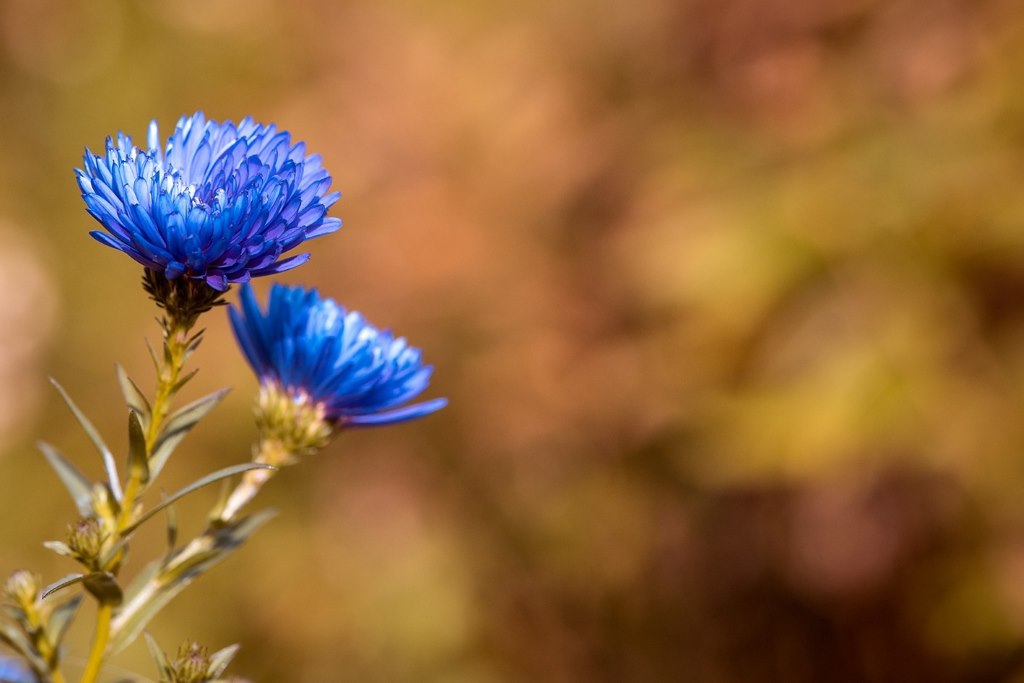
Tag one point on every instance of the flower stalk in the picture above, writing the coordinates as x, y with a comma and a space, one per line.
101, 635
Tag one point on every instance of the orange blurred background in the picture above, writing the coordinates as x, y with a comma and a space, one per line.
727, 297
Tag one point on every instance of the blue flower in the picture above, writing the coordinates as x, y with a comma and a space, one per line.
14, 671
312, 348
221, 203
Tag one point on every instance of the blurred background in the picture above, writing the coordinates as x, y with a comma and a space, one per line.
727, 297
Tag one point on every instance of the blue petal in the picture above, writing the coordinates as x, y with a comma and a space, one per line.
219, 199
314, 347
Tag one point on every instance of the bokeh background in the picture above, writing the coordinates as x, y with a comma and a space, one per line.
727, 297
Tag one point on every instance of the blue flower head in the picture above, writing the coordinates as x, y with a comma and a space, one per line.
221, 203
316, 351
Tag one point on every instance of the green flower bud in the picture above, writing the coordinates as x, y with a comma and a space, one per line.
192, 664
85, 538
22, 588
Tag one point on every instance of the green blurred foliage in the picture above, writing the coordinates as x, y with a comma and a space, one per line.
728, 298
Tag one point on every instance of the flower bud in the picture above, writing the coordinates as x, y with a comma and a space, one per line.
192, 664
85, 538
22, 588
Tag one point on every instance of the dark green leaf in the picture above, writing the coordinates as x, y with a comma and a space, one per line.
68, 580
74, 481
61, 618
133, 396
172, 529
138, 462
97, 440
162, 665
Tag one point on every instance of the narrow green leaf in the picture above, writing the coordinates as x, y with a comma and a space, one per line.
133, 396
13, 636
159, 657
145, 576
197, 484
138, 463
152, 353
224, 541
177, 427
97, 440
183, 381
193, 343
172, 529
220, 659
162, 451
187, 417
61, 618
69, 580
74, 481
13, 612
59, 547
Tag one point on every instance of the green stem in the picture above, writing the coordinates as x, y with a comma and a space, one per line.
99, 644
270, 452
176, 335
176, 338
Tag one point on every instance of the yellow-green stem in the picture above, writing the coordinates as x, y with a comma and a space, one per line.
270, 452
99, 644
175, 344
176, 348
56, 676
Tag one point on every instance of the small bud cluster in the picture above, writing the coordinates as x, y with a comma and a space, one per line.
85, 539
21, 589
191, 665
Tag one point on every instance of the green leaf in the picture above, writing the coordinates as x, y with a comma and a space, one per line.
172, 529
133, 396
183, 381
186, 418
97, 440
138, 462
197, 484
61, 618
177, 426
152, 354
162, 450
159, 657
219, 543
74, 481
69, 580
193, 343
59, 547
220, 659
